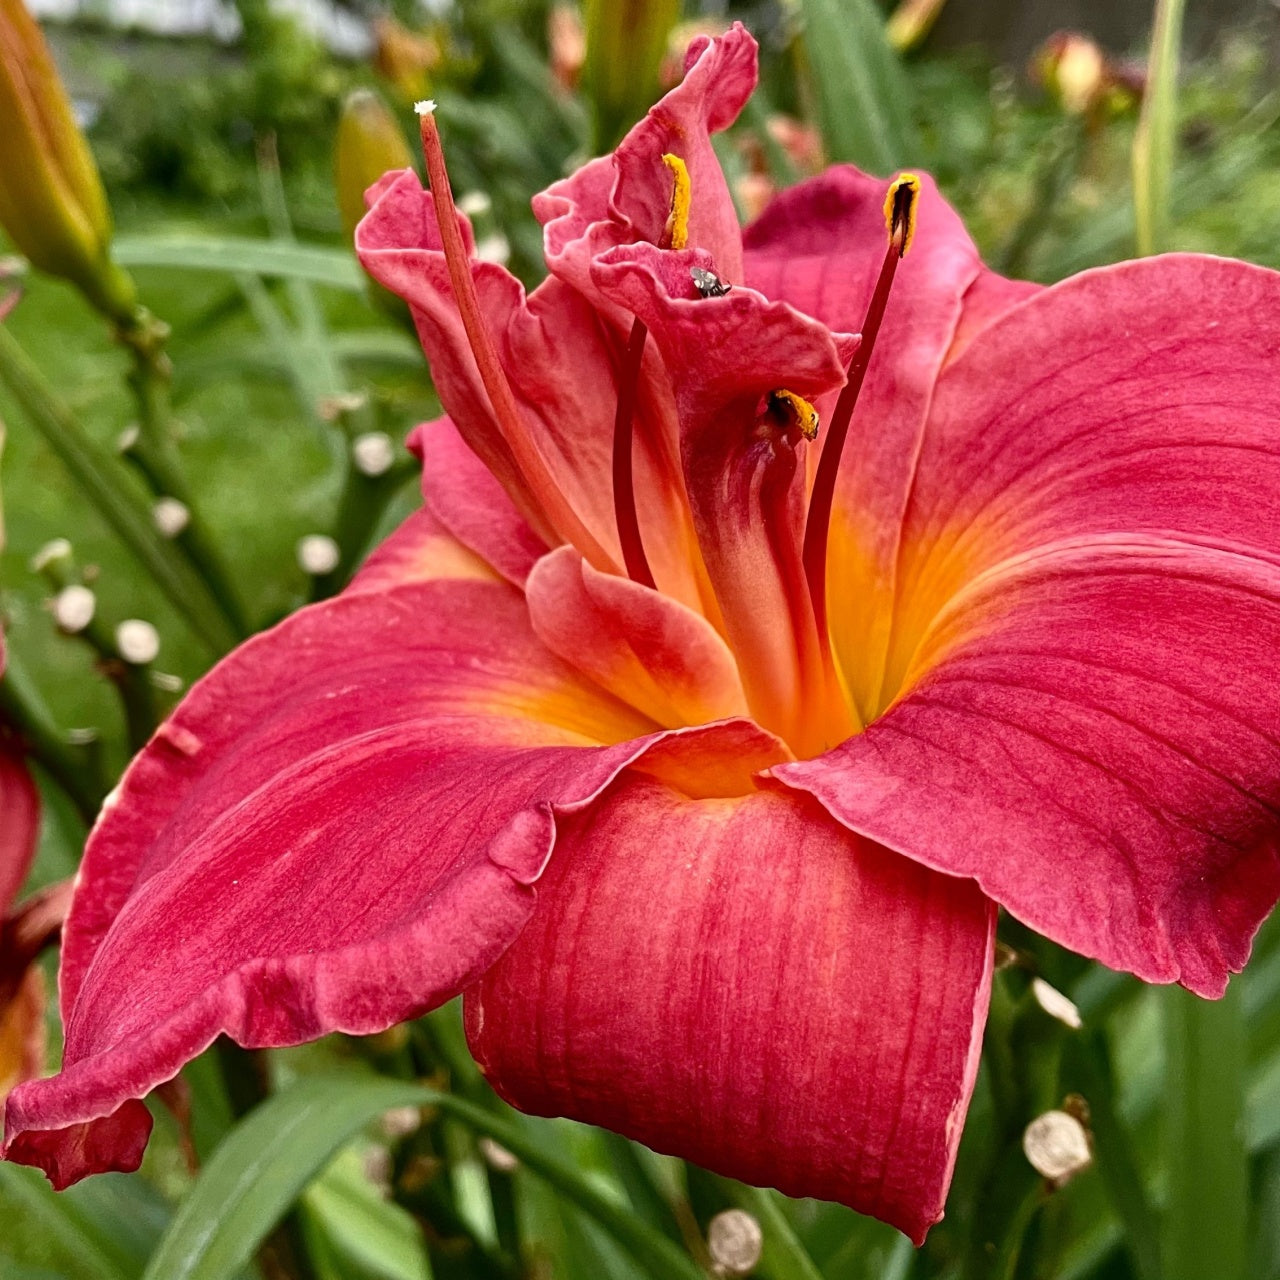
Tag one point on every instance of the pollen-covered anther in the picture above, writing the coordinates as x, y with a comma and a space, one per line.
796, 413
900, 205
675, 234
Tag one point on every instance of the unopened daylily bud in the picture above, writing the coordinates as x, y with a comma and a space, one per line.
910, 22
1057, 1146
369, 144
497, 1157
735, 1242
404, 58
1073, 70
318, 554
52, 203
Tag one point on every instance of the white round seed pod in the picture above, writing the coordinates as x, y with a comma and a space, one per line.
1057, 1146
318, 554
735, 1242
73, 608
138, 641
171, 516
373, 453
494, 247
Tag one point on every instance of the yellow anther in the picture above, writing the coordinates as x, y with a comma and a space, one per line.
797, 411
900, 205
676, 233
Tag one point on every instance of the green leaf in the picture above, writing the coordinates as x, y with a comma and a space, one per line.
864, 101
318, 264
365, 1236
73, 1233
271, 1155
1206, 1220
1156, 136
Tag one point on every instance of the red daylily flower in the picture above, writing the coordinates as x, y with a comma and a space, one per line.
715, 861
22, 932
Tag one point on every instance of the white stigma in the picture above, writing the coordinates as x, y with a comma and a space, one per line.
426, 107
318, 554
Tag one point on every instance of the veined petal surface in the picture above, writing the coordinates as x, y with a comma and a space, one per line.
1083, 716
744, 983
339, 828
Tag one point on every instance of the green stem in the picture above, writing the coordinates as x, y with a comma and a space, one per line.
1053, 177
100, 477
23, 710
157, 459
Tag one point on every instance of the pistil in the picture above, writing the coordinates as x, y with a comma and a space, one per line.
900, 222
533, 467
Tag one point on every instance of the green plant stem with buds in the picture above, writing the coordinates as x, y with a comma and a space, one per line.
100, 477
156, 457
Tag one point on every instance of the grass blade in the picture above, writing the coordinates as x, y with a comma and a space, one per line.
863, 97
1206, 1220
318, 264
1154, 143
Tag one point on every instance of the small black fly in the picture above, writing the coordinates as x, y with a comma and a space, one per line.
707, 283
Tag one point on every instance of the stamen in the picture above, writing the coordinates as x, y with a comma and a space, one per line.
564, 521
796, 411
624, 491
900, 207
676, 233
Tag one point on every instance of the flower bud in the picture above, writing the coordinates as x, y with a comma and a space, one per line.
51, 199
1073, 70
369, 144
911, 22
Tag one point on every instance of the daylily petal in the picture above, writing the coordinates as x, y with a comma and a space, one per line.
626, 197
420, 550
745, 479
744, 984
645, 648
820, 246
1091, 575
561, 364
338, 829
19, 820
465, 498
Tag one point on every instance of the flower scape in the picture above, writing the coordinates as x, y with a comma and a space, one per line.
783, 602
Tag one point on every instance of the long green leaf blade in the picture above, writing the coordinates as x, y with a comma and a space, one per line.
1156, 136
863, 97
317, 264
1206, 1220
276, 1150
